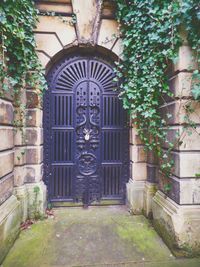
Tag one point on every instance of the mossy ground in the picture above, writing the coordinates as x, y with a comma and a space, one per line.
98, 236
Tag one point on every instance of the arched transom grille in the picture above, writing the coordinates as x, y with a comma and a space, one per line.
81, 69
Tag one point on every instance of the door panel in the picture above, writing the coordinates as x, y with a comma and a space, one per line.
85, 134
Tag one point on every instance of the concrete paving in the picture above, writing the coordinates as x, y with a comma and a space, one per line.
95, 237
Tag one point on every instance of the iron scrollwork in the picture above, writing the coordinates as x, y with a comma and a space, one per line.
87, 137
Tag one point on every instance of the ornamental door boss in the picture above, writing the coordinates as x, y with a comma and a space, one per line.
85, 134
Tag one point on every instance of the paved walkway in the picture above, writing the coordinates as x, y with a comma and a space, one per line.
95, 237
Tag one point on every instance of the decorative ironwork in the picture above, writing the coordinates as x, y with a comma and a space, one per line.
86, 149
87, 164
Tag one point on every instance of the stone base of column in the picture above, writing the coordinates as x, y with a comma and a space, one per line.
179, 225
10, 218
135, 196
22, 195
37, 199
149, 192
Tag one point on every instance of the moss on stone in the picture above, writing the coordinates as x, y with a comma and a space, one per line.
143, 236
169, 237
7, 243
9, 229
90, 237
27, 250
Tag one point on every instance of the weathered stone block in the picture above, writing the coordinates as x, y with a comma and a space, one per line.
183, 191
177, 109
139, 171
19, 136
6, 112
10, 218
20, 156
180, 85
178, 225
187, 164
108, 33
34, 136
86, 12
190, 191
19, 175
7, 138
34, 173
184, 139
186, 59
48, 43
6, 162
34, 118
135, 196
137, 154
34, 155
6, 187
64, 30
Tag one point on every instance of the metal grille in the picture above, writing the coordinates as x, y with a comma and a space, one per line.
85, 133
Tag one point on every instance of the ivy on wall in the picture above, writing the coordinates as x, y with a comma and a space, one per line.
19, 65
151, 34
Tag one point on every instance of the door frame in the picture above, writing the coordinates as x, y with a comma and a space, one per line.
46, 123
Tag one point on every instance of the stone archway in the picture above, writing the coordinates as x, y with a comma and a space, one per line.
97, 31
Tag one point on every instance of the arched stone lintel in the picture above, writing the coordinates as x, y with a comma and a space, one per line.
54, 38
48, 62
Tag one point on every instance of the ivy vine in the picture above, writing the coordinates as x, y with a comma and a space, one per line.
19, 64
151, 34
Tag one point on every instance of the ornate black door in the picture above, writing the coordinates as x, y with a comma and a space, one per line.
85, 134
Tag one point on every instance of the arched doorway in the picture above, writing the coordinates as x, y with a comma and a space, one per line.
86, 157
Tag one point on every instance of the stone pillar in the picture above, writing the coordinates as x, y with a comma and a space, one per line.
176, 211
136, 184
34, 153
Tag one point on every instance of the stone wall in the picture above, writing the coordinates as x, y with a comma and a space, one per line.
20, 164
177, 212
10, 210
